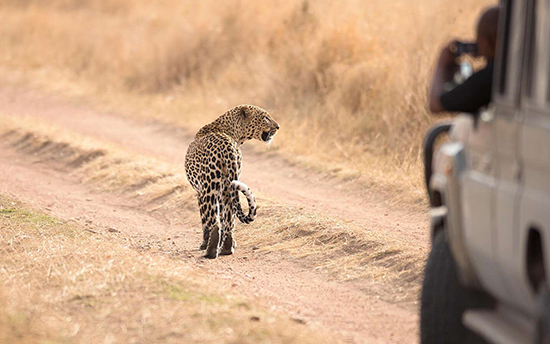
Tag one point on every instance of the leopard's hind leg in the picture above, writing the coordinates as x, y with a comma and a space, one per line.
212, 214
203, 208
228, 223
213, 242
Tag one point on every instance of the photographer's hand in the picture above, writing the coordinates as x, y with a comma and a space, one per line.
444, 71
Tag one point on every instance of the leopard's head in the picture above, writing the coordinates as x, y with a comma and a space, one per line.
257, 123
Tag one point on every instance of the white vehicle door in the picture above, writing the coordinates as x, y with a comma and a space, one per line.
534, 151
513, 98
490, 184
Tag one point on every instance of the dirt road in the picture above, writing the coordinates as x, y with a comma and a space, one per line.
347, 309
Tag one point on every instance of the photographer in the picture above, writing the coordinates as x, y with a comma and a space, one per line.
475, 92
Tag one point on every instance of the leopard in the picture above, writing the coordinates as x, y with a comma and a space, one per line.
213, 164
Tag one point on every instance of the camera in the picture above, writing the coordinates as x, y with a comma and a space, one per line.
459, 48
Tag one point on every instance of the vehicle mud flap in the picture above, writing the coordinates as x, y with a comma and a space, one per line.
543, 323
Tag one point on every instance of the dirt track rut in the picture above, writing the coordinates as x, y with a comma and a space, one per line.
346, 309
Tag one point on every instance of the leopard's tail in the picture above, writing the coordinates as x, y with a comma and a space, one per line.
237, 186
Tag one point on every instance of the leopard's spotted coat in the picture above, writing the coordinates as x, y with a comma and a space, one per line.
213, 167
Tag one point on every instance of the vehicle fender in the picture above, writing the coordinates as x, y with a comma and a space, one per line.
449, 166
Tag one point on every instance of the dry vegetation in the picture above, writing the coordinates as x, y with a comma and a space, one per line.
61, 284
343, 250
346, 80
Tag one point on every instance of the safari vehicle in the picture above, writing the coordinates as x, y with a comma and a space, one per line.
487, 278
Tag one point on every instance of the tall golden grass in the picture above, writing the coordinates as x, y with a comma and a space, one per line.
346, 80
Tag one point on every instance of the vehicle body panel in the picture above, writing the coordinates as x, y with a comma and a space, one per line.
495, 174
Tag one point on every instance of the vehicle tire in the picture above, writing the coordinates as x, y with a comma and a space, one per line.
444, 300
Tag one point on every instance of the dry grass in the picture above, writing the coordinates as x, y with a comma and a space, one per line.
392, 269
346, 79
342, 250
61, 284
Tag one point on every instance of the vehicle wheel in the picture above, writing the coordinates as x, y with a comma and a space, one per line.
444, 300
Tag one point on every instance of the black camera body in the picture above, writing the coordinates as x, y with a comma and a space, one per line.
460, 48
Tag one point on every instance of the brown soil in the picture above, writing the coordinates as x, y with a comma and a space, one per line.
348, 309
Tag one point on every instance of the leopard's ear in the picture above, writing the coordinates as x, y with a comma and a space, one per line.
245, 113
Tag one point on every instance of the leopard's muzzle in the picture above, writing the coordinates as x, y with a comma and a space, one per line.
267, 136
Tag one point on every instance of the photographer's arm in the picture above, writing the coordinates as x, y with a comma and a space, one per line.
444, 71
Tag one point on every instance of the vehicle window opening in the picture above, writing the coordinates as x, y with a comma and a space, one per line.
504, 47
532, 17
